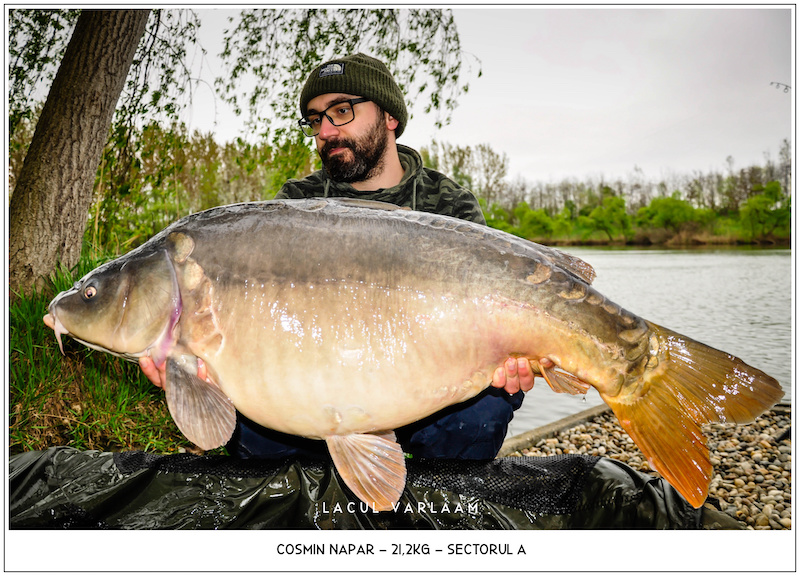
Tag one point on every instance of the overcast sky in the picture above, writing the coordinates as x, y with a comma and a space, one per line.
588, 92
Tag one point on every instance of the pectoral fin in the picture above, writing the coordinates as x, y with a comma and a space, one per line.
372, 466
202, 412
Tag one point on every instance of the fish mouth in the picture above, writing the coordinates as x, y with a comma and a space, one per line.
52, 322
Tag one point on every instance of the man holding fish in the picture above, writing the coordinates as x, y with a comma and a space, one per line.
375, 329
355, 111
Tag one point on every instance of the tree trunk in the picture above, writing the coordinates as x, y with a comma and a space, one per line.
51, 201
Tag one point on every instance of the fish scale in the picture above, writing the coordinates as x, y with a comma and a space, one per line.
344, 320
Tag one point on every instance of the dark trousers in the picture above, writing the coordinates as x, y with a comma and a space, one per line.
472, 430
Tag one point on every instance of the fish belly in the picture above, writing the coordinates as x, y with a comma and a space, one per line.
335, 358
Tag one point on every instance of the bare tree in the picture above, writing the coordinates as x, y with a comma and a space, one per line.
490, 170
785, 156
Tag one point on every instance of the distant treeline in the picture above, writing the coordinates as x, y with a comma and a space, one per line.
764, 217
746, 206
151, 177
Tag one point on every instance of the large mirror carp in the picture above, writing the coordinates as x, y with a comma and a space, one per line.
344, 320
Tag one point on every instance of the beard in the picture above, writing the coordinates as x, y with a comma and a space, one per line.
367, 154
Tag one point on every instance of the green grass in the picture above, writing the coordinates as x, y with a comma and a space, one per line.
85, 399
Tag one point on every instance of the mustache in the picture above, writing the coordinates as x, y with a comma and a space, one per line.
331, 144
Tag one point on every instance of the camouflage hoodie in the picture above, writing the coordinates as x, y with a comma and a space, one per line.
420, 189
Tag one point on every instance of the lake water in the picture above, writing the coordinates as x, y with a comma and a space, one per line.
735, 299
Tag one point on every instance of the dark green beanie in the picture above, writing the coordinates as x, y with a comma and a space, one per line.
359, 75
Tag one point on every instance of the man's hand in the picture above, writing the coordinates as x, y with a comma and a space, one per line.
514, 375
158, 374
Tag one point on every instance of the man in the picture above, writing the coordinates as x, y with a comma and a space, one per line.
355, 111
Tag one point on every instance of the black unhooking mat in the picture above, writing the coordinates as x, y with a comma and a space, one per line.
66, 488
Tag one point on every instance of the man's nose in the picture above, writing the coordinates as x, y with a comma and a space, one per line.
326, 128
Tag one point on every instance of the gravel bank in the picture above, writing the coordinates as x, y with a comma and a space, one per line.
752, 462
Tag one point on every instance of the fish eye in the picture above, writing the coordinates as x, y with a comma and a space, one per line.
89, 292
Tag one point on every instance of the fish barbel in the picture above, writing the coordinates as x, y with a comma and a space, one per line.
344, 320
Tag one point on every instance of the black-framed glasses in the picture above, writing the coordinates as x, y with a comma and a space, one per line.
337, 114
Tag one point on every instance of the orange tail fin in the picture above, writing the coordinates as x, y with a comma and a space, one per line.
688, 384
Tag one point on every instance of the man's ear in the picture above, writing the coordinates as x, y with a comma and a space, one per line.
391, 122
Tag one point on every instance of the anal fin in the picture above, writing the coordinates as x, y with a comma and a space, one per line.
202, 412
372, 466
560, 381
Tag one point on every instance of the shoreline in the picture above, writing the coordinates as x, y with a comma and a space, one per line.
699, 244
752, 480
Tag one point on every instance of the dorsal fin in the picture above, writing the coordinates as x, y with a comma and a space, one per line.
581, 269
549, 257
